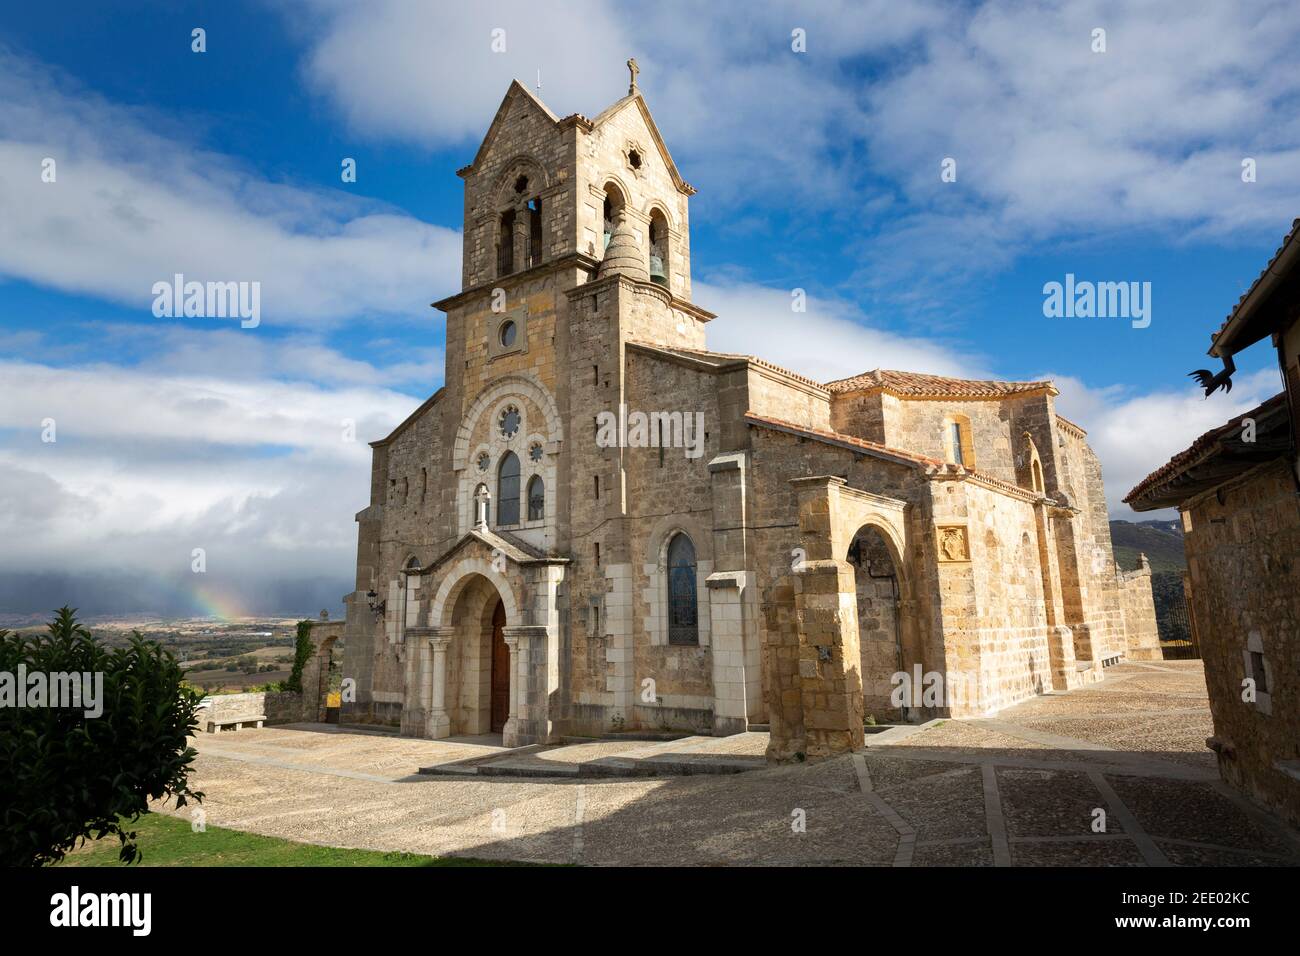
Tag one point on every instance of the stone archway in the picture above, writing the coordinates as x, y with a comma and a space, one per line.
884, 622
474, 672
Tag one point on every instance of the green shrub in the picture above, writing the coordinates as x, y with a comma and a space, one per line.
66, 777
302, 654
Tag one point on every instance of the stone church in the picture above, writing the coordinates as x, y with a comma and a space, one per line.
597, 524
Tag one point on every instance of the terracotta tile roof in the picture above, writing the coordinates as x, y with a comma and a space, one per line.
849, 441
1205, 447
707, 355
1286, 241
916, 383
931, 466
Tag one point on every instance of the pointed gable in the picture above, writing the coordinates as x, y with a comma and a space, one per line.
637, 101
518, 101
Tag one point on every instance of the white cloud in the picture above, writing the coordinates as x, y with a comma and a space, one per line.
153, 460
1134, 434
740, 110
132, 206
1056, 143
831, 340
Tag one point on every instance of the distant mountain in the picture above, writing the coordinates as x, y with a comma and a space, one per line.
1160, 541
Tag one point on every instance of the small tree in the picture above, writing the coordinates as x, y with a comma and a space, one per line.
66, 777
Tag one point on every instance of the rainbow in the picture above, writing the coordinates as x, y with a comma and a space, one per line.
217, 603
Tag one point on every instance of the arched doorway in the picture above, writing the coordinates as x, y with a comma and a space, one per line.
477, 663
882, 629
500, 671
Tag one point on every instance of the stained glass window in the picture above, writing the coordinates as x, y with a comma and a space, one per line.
508, 490
683, 614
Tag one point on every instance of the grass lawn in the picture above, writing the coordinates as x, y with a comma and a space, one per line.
169, 841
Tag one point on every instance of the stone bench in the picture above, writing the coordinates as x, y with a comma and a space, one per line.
217, 723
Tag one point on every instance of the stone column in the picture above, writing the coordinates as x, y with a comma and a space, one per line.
826, 611
531, 685
510, 733
1060, 639
424, 710
731, 704
438, 723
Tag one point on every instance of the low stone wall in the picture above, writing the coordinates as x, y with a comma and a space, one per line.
1139, 607
284, 707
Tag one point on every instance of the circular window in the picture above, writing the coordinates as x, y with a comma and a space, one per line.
483, 461
535, 451
510, 422
508, 333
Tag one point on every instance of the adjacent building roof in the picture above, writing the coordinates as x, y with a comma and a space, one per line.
918, 385
1219, 455
1258, 313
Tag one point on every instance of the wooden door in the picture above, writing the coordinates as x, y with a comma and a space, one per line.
500, 670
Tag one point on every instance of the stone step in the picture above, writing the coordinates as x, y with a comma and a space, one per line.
668, 766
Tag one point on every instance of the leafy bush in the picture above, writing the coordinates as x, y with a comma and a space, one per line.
66, 777
302, 654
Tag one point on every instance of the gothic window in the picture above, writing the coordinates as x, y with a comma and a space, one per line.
683, 610
506, 244
536, 498
508, 490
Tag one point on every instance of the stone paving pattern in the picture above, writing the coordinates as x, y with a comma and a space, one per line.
1019, 789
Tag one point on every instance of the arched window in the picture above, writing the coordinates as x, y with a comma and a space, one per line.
506, 243
658, 248
534, 231
508, 490
536, 498
411, 595
683, 610
957, 444
613, 203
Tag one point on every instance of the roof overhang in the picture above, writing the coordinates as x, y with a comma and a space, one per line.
1217, 457
1268, 306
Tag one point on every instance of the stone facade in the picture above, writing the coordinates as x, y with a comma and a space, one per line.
753, 548
1243, 558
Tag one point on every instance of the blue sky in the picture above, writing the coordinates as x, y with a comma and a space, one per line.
816, 170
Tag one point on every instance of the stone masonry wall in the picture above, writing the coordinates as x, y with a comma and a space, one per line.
1139, 607
1243, 559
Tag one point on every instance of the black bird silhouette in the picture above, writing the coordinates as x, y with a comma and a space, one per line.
1211, 382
